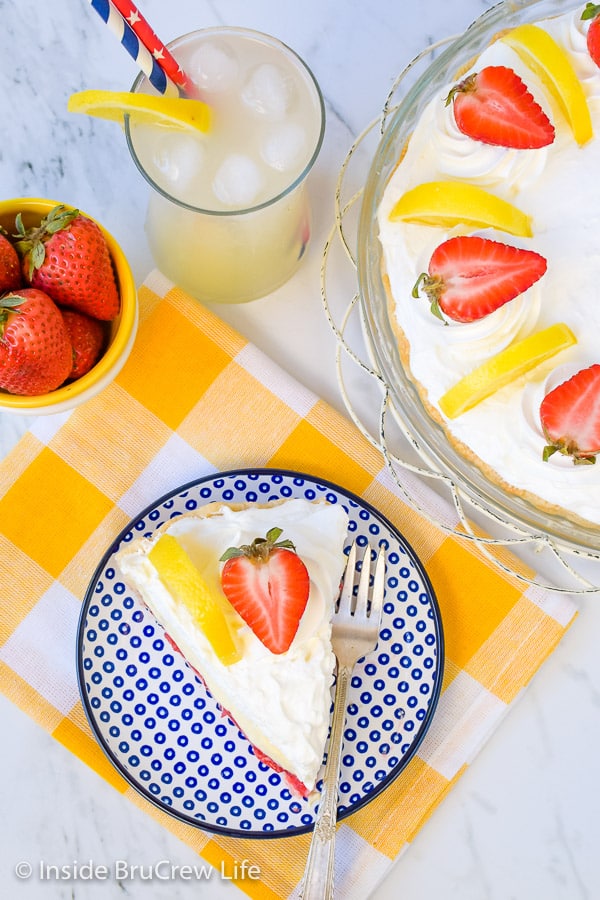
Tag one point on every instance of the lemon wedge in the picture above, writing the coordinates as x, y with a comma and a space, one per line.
185, 583
540, 52
173, 112
505, 367
450, 203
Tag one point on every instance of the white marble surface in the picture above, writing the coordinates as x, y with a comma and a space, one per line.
522, 823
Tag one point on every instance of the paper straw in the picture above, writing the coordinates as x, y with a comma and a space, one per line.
152, 42
148, 64
155, 46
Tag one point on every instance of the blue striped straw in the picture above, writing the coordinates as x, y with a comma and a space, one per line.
144, 59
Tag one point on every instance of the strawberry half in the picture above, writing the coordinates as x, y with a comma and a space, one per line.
67, 257
570, 417
592, 11
470, 277
494, 106
268, 584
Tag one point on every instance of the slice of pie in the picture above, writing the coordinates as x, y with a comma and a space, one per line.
246, 594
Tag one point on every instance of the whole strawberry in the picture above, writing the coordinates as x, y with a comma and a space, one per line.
10, 266
67, 257
87, 340
570, 417
592, 11
35, 350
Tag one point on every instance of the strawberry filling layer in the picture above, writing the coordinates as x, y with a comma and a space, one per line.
297, 787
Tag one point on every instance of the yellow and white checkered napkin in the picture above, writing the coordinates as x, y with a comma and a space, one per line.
195, 398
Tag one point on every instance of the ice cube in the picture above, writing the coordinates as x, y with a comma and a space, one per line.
284, 146
178, 157
269, 91
214, 66
237, 181
172, 159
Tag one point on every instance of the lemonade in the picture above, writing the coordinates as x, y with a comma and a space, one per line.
228, 217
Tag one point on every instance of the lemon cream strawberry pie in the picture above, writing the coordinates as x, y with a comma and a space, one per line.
489, 226
246, 594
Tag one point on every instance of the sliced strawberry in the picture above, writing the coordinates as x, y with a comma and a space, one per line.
268, 584
570, 417
592, 11
494, 106
470, 277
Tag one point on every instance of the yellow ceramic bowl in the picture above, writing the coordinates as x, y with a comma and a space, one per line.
122, 329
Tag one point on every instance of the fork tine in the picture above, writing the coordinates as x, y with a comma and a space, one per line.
378, 587
362, 597
345, 599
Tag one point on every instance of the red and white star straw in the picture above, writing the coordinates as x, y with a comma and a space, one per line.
151, 55
155, 46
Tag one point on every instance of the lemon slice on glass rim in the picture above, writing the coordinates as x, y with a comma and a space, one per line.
172, 112
449, 203
540, 52
505, 367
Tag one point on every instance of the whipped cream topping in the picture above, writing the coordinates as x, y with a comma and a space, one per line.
280, 701
559, 188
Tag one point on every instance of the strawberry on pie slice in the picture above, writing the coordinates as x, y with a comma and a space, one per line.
255, 627
268, 584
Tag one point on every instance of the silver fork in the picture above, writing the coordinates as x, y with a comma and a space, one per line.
355, 629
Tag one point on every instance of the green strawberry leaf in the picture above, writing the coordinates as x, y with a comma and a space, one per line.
11, 301
38, 255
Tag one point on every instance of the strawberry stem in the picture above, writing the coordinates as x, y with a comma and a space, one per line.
420, 280
29, 243
261, 548
568, 449
432, 286
591, 11
466, 86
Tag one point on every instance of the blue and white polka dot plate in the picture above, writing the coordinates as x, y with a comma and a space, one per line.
163, 731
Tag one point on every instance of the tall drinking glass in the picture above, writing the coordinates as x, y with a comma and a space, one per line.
228, 215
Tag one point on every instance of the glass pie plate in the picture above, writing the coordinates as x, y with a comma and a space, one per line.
427, 435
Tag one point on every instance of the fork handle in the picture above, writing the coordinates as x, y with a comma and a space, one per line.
317, 883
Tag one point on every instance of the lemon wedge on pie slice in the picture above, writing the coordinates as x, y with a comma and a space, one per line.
540, 52
173, 112
186, 585
506, 366
449, 203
